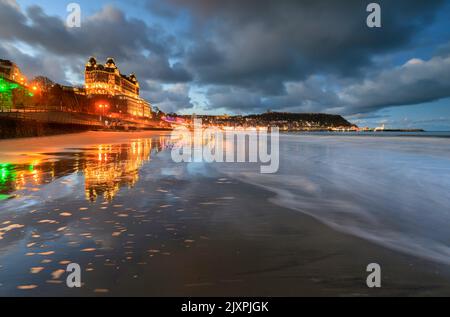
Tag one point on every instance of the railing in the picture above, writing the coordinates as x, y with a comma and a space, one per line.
77, 118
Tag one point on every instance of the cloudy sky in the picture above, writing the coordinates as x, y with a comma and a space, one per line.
234, 56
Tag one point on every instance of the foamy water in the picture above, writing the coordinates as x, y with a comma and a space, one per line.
394, 191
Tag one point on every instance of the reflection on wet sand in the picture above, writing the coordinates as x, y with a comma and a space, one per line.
106, 169
97, 225
114, 168
140, 224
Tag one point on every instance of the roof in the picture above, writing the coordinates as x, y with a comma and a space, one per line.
94, 66
6, 62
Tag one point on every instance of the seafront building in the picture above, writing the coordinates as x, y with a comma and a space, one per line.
13, 90
112, 92
107, 99
10, 71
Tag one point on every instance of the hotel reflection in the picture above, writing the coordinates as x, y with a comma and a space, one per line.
106, 169
115, 167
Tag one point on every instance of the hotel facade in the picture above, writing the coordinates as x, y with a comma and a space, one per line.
112, 92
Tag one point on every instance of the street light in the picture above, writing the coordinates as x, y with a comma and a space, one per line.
103, 107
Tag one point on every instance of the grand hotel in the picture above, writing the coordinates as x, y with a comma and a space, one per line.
106, 92
114, 92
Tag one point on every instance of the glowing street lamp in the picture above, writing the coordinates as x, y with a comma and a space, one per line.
102, 108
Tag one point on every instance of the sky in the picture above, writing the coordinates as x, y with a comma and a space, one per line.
242, 57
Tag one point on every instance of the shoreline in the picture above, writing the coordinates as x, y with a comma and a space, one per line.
71, 141
250, 247
191, 233
62, 123
62, 133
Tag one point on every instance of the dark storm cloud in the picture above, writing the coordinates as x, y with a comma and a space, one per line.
38, 29
443, 50
60, 52
415, 82
107, 33
305, 96
262, 43
169, 99
155, 67
49, 66
249, 56
307, 55
236, 99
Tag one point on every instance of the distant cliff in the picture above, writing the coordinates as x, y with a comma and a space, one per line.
301, 119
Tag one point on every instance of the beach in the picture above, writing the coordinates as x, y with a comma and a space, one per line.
139, 224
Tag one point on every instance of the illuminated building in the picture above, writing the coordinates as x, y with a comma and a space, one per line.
10, 78
11, 71
114, 91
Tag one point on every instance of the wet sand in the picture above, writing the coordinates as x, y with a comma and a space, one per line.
249, 247
26, 149
201, 234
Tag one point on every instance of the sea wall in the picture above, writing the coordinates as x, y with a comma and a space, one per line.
19, 128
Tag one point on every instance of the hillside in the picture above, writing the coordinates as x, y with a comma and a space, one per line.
302, 119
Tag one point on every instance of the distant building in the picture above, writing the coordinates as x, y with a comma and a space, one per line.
11, 71
13, 90
107, 79
121, 91
382, 128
